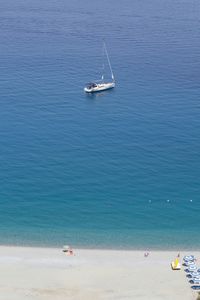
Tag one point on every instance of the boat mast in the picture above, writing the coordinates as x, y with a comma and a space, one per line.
103, 66
104, 44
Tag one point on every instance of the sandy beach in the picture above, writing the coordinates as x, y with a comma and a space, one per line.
43, 273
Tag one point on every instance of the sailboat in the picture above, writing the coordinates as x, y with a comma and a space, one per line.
101, 85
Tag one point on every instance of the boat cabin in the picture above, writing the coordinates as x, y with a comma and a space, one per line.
91, 85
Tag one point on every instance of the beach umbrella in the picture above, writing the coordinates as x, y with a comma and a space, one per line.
195, 281
189, 263
188, 258
195, 275
192, 268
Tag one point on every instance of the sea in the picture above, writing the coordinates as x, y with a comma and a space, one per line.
118, 169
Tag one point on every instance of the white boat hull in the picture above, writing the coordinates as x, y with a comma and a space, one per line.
100, 87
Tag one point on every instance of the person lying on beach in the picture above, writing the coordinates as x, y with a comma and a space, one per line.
68, 250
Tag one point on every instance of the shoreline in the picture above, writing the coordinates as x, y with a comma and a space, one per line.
47, 273
114, 248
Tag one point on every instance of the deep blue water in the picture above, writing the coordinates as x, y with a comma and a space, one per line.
115, 169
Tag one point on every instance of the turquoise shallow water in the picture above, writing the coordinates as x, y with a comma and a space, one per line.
115, 169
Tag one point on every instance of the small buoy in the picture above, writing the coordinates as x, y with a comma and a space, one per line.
167, 200
190, 200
